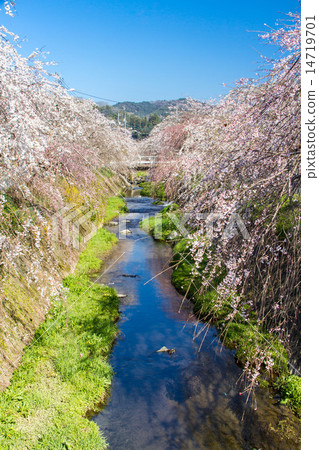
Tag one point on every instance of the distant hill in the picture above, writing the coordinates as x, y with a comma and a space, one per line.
141, 117
142, 109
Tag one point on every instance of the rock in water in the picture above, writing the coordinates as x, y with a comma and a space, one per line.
165, 349
162, 349
126, 232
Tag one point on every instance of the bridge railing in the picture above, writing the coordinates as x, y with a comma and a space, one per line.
145, 161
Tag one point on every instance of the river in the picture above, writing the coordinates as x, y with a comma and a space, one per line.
191, 398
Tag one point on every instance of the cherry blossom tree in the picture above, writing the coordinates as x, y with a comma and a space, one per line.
53, 150
242, 155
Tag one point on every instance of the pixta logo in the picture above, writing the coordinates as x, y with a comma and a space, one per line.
211, 221
73, 226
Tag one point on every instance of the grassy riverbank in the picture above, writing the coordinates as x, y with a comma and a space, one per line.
64, 372
240, 331
150, 189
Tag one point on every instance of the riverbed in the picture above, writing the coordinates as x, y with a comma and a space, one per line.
191, 397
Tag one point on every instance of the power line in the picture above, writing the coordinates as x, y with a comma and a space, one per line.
64, 84
94, 96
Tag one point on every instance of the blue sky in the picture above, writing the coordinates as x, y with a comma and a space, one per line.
148, 50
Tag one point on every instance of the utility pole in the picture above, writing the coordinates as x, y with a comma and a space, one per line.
121, 121
124, 117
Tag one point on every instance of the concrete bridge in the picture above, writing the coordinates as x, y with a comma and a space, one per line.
145, 162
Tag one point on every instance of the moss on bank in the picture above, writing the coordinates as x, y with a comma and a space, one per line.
114, 206
289, 387
64, 372
151, 189
141, 174
44, 255
242, 332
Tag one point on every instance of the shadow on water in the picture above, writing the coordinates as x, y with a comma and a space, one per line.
192, 398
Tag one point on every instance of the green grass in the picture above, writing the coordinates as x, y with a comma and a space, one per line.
64, 373
159, 226
12, 215
151, 189
288, 216
115, 205
99, 245
141, 173
246, 337
290, 389
158, 202
163, 226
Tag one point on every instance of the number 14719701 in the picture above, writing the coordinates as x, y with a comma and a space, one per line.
310, 44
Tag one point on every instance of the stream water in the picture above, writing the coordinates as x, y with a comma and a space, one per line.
190, 399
